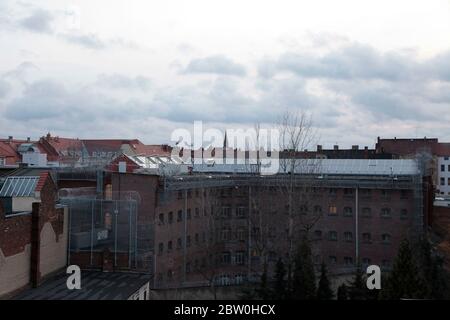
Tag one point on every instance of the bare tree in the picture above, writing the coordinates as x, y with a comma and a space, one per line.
297, 134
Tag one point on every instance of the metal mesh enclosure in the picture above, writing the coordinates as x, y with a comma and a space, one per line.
107, 232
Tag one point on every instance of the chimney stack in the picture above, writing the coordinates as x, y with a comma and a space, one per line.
335, 147
10, 138
28, 139
319, 147
355, 147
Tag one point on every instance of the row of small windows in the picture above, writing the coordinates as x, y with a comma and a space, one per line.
367, 192
443, 181
349, 261
226, 212
348, 236
365, 212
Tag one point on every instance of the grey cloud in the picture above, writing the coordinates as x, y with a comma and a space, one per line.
118, 81
5, 87
48, 99
217, 64
351, 62
90, 40
39, 21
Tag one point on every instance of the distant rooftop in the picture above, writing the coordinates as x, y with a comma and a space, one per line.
326, 166
94, 286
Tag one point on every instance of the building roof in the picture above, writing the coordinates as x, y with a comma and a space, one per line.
19, 187
326, 166
94, 286
24, 183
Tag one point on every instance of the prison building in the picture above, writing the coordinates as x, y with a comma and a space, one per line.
223, 224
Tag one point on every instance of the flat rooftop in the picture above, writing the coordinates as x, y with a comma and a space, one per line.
94, 286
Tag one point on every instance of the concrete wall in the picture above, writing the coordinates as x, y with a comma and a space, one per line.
53, 247
23, 203
14, 271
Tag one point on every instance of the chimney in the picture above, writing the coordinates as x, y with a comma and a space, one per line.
10, 138
319, 147
335, 147
48, 136
28, 139
366, 148
355, 147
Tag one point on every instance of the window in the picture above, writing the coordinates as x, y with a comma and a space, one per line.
446, 158
180, 195
403, 194
348, 211
169, 245
2, 162
188, 241
239, 257
196, 264
161, 248
317, 209
332, 191
366, 192
367, 237
332, 210
225, 258
403, 214
170, 218
318, 234
180, 215
241, 212
348, 236
197, 193
189, 214
348, 261
448, 181
386, 238
188, 267
225, 234
366, 212
203, 237
385, 212
442, 167
161, 218
332, 235
197, 212
348, 192
226, 212
169, 274
442, 181
197, 238
241, 233
448, 169
179, 243
332, 259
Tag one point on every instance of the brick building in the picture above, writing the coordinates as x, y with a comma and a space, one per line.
33, 231
223, 227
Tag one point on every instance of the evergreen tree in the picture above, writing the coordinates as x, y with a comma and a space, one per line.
431, 271
304, 278
279, 290
342, 292
324, 291
358, 288
263, 291
404, 281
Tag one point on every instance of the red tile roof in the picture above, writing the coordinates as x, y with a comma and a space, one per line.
42, 180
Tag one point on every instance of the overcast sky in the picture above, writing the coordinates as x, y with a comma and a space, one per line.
126, 69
